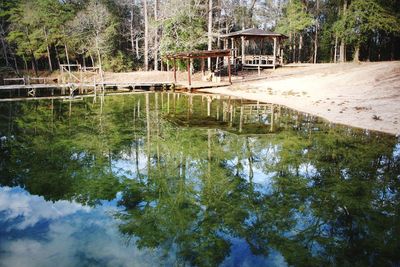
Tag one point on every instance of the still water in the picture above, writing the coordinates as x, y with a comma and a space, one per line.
165, 179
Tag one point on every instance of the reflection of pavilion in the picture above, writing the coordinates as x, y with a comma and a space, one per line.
251, 48
235, 115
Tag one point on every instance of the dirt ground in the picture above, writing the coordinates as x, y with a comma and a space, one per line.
365, 95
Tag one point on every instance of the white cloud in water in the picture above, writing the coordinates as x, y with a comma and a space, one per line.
70, 238
73, 244
15, 203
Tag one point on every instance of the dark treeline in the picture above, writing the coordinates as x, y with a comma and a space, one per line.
123, 35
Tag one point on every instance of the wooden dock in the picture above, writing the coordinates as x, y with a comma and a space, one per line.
71, 90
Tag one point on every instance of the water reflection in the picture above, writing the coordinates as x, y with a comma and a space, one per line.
198, 180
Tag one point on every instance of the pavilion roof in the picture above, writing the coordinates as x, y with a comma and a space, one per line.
254, 33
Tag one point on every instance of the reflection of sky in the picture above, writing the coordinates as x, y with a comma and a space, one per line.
35, 232
396, 152
241, 256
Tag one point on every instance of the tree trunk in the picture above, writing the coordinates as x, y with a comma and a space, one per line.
335, 51
156, 36
91, 60
316, 45
67, 56
209, 34
146, 36
48, 50
137, 48
34, 64
25, 63
300, 48
4, 45
251, 10
219, 60
316, 34
132, 33
99, 59
294, 48
83, 61
15, 64
58, 57
342, 57
356, 54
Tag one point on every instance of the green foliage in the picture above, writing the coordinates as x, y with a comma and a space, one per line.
118, 63
364, 17
183, 32
295, 18
36, 24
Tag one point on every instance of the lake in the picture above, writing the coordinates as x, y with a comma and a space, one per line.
168, 179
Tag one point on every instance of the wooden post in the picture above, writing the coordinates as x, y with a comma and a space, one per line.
229, 69
202, 68
62, 73
272, 118
243, 52
80, 80
168, 102
233, 45
278, 52
241, 118
274, 59
188, 70
225, 48
231, 114
209, 106
94, 88
174, 70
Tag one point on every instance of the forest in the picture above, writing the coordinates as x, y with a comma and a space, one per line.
126, 35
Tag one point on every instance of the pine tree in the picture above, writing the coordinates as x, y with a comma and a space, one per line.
362, 18
294, 22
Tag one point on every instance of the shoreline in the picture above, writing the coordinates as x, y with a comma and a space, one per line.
365, 95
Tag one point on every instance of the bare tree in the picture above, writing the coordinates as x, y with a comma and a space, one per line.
209, 34
90, 27
156, 3
146, 36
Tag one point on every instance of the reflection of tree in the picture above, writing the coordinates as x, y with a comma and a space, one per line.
182, 205
334, 201
331, 198
59, 159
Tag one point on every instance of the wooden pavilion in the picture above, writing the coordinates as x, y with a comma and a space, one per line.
198, 54
241, 43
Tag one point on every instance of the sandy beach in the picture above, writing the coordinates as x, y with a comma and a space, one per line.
365, 95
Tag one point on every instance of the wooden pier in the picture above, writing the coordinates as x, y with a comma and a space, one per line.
76, 81
71, 90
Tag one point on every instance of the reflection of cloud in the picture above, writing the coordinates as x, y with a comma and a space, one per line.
67, 244
16, 202
126, 164
241, 256
69, 237
396, 150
